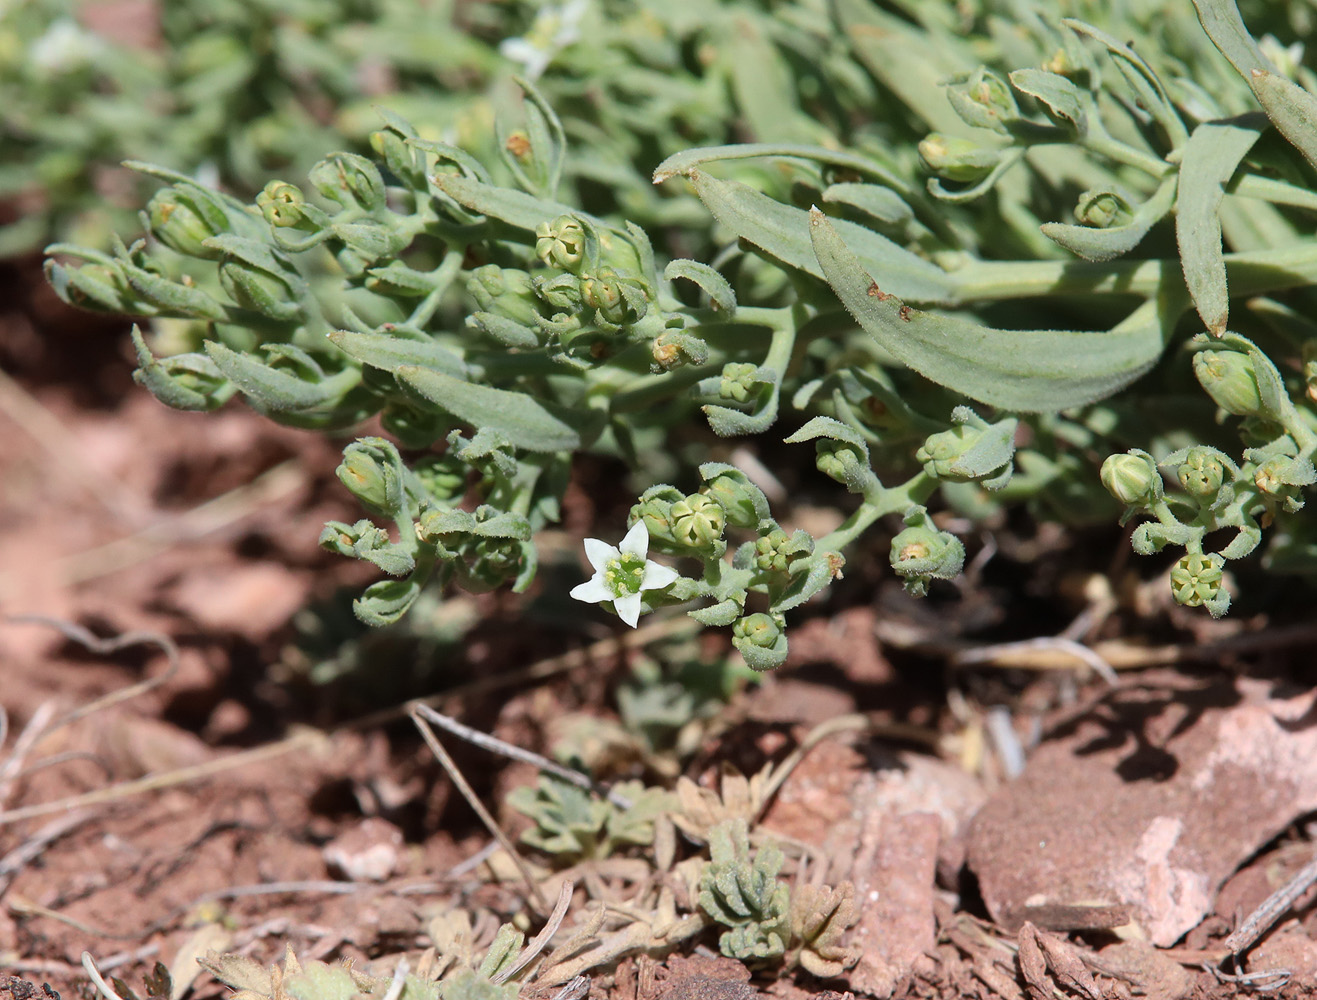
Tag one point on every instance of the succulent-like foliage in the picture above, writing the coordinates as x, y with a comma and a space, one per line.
820, 917
574, 824
741, 891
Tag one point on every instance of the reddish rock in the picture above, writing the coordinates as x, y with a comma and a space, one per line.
1147, 803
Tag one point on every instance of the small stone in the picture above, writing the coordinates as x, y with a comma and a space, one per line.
1149, 802
369, 852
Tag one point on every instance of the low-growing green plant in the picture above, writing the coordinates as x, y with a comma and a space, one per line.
572, 824
935, 326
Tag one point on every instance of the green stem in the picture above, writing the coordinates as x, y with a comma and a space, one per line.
1098, 141
444, 275
1275, 191
1256, 272
880, 503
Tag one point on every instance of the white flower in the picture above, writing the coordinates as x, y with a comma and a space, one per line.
554, 29
65, 46
622, 572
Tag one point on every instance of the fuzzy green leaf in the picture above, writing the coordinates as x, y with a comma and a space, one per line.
516, 208
1034, 371
710, 281
276, 390
1105, 244
1291, 109
1211, 157
687, 160
380, 350
784, 232
524, 421
873, 200
1063, 99
1224, 26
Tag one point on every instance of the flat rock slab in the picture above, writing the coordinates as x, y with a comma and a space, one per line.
1144, 805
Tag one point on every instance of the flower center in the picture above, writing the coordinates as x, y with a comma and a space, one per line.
623, 574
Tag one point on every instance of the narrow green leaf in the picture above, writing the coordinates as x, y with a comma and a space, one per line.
1033, 371
1062, 98
878, 202
172, 297
784, 232
526, 422
1211, 156
1105, 244
380, 350
183, 382
764, 90
687, 160
275, 390
1291, 109
1142, 78
720, 615
1225, 27
516, 208
833, 430
710, 281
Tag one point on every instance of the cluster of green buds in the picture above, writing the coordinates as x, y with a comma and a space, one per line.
1217, 492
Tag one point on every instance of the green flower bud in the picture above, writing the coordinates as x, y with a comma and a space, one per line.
505, 292
1275, 480
349, 179
400, 158
1202, 473
742, 501
1104, 209
840, 460
674, 348
442, 476
957, 159
922, 553
1231, 380
561, 243
560, 292
738, 381
771, 551
1197, 579
697, 521
98, 287
655, 509
259, 290
940, 452
615, 304
283, 205
485, 564
371, 471
181, 221
984, 100
757, 630
1132, 478
761, 639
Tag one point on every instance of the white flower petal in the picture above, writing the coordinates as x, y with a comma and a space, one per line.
636, 542
599, 553
628, 608
593, 590
657, 577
